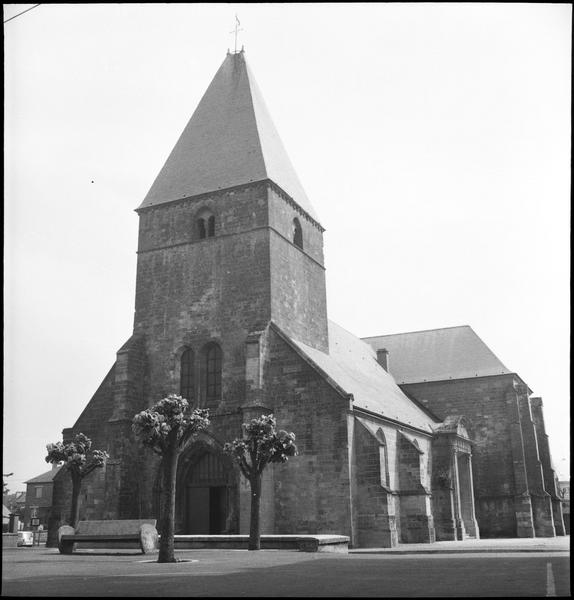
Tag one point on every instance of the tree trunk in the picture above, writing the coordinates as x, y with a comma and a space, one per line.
166, 542
76, 488
254, 526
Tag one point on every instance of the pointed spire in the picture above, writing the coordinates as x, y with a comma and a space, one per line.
230, 140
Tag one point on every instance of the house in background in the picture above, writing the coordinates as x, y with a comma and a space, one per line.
39, 498
15, 503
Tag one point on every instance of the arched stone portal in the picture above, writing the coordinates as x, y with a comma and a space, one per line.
206, 497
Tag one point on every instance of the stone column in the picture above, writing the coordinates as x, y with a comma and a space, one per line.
442, 489
467, 494
458, 520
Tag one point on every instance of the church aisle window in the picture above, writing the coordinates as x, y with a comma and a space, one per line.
186, 387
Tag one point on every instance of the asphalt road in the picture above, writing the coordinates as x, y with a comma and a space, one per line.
44, 572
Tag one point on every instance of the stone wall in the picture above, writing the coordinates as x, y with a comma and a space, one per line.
192, 291
298, 292
483, 400
311, 491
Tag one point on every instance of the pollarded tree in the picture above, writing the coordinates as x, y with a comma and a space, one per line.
79, 460
167, 428
261, 444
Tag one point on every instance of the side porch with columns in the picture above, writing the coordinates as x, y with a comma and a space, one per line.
452, 482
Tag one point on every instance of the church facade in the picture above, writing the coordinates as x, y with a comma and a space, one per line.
230, 312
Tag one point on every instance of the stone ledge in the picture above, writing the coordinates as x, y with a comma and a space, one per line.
303, 543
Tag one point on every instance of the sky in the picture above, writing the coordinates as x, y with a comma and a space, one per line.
433, 141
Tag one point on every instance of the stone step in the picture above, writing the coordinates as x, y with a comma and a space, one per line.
303, 543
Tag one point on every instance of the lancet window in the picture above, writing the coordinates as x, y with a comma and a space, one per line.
186, 379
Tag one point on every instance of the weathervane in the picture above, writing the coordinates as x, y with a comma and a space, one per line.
235, 31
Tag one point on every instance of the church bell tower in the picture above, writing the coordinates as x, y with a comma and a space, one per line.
228, 243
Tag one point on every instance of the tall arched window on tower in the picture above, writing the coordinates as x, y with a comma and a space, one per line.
205, 224
212, 373
186, 379
297, 233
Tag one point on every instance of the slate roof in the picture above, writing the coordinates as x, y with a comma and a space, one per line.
352, 365
46, 477
438, 354
230, 140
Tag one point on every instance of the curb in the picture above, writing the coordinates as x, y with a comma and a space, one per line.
463, 551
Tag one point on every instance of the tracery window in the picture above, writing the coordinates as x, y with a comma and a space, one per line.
186, 387
297, 233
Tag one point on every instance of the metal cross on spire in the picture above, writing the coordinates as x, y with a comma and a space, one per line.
235, 31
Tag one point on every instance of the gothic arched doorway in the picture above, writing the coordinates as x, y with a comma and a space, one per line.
207, 492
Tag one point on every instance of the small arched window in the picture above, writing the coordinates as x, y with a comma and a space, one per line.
186, 379
205, 224
201, 229
212, 369
297, 233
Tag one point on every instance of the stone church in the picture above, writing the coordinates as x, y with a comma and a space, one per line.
413, 437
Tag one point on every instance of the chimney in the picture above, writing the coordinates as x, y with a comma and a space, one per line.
383, 358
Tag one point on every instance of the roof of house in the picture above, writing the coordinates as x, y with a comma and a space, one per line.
46, 477
437, 354
353, 366
16, 497
230, 140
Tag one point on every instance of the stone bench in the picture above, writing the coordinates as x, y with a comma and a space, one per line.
301, 542
125, 533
